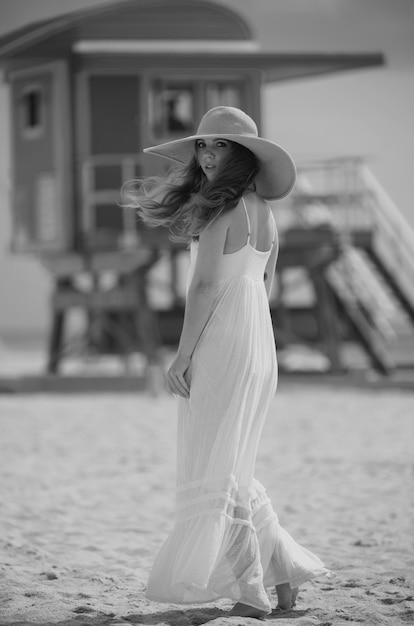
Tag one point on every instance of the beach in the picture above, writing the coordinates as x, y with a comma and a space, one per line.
87, 498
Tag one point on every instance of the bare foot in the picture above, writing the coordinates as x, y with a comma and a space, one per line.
244, 610
286, 596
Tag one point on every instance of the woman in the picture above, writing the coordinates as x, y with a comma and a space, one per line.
227, 541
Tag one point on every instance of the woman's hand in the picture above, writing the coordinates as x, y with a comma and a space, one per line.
176, 382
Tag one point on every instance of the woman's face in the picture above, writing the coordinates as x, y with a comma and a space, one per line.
211, 153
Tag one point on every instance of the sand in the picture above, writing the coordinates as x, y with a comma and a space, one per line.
87, 496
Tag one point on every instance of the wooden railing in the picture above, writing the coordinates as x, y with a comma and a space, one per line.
329, 191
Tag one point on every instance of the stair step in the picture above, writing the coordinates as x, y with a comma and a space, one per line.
360, 277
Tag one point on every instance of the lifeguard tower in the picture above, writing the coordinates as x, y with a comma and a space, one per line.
89, 91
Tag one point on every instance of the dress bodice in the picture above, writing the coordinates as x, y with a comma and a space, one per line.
247, 261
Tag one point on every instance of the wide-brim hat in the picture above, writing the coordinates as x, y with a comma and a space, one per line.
277, 174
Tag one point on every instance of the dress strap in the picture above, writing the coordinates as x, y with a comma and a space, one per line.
248, 220
274, 225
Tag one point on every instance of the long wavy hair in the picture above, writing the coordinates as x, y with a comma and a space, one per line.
184, 200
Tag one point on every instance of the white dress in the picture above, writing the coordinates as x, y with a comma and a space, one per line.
227, 541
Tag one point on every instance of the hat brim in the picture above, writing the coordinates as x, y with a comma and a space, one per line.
277, 175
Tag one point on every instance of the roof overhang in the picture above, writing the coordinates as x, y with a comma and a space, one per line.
238, 56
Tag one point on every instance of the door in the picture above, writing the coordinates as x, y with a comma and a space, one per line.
108, 139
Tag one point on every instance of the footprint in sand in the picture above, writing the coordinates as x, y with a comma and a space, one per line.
399, 580
352, 584
83, 609
36, 594
49, 575
396, 600
363, 543
408, 617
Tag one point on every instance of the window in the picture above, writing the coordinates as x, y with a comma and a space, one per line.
32, 112
223, 93
171, 108
175, 103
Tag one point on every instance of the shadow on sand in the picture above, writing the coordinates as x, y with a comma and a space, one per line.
189, 617
196, 617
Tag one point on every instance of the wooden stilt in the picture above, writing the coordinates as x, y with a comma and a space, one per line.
55, 342
327, 319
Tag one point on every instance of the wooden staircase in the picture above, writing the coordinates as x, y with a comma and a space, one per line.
372, 279
380, 320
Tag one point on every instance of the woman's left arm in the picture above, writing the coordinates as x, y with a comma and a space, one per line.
200, 298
